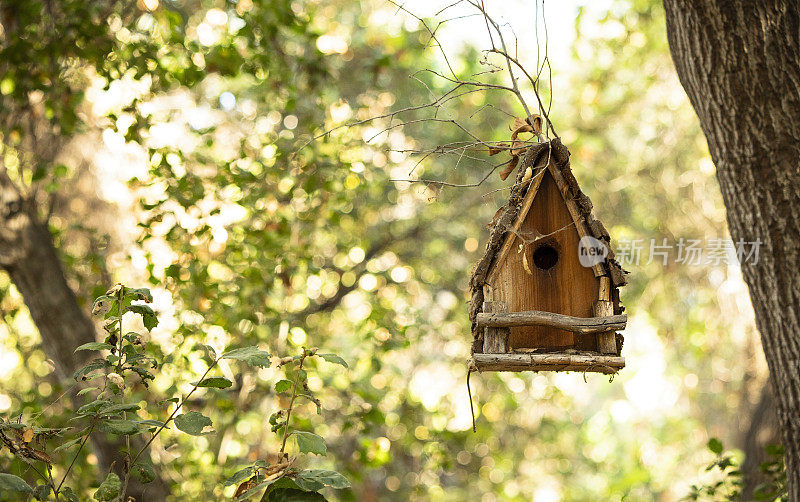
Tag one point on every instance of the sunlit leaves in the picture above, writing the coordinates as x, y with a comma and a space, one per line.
149, 317
239, 476
333, 358
251, 355
283, 385
215, 382
94, 346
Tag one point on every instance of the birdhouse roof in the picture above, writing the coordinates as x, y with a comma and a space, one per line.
552, 157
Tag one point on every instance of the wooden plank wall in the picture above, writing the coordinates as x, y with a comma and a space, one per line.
567, 288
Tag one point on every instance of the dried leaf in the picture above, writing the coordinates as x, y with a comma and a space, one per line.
518, 124
114, 289
537, 124
512, 164
250, 483
494, 150
27, 436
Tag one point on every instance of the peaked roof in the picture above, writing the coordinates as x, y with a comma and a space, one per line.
553, 157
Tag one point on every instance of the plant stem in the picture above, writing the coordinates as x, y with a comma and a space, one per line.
124, 413
52, 482
85, 439
121, 313
174, 412
291, 404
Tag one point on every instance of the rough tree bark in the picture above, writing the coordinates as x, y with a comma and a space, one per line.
740, 65
763, 431
29, 257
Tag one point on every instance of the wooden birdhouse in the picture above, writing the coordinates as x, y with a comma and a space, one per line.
545, 293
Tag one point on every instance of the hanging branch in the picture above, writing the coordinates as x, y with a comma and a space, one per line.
436, 110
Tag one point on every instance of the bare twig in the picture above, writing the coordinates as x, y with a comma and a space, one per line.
457, 87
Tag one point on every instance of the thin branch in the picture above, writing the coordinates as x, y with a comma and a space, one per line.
175, 411
446, 184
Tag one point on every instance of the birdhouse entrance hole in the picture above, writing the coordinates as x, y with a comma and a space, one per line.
545, 257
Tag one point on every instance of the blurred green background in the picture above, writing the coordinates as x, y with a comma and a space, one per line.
168, 144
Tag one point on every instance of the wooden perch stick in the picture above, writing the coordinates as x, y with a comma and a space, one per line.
548, 362
583, 325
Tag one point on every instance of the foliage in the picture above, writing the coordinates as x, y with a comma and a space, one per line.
109, 407
244, 238
728, 484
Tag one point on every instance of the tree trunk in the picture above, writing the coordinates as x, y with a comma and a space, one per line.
740, 65
28, 256
762, 432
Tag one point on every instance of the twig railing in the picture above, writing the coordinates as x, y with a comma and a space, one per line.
582, 325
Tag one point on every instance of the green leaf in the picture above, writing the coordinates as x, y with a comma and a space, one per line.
308, 442
92, 366
192, 423
95, 346
252, 491
240, 475
68, 495
251, 355
287, 488
87, 389
143, 472
216, 382
322, 477
283, 385
41, 492
118, 408
120, 427
109, 488
153, 424
333, 358
715, 445
149, 317
292, 495
92, 407
310, 485
139, 294
71, 442
11, 483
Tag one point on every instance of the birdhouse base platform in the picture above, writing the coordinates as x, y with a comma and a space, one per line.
551, 361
